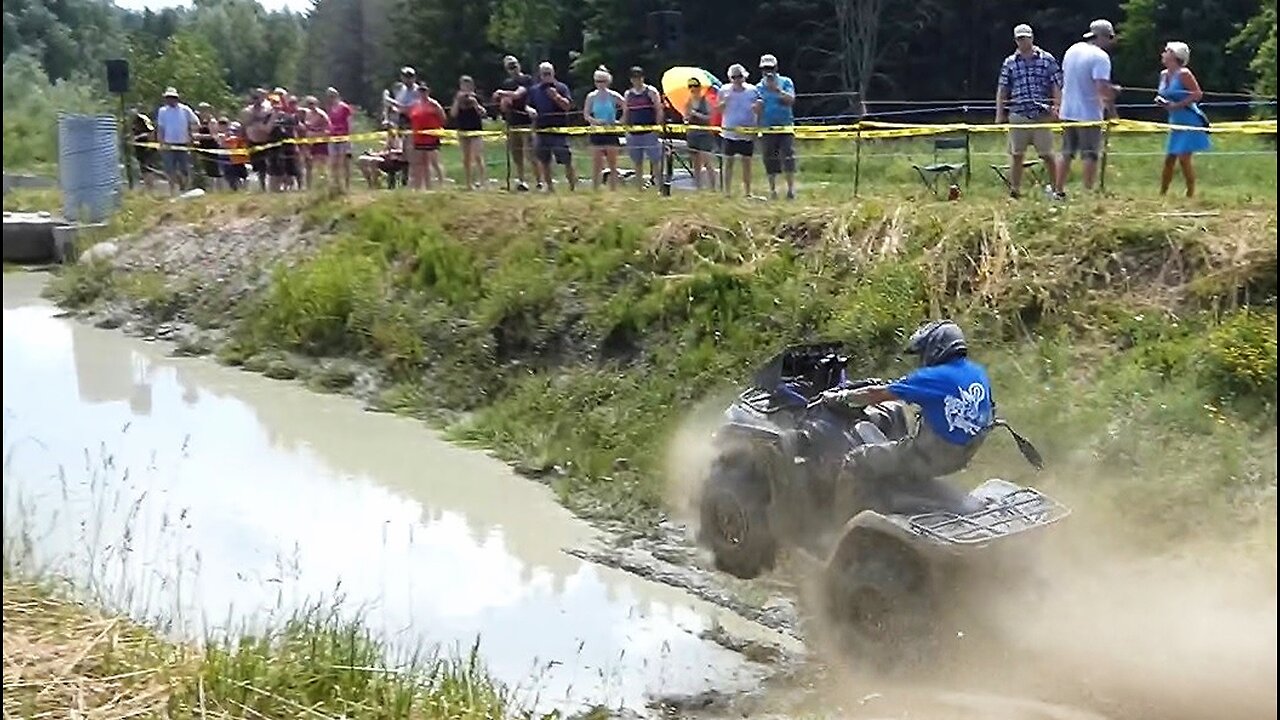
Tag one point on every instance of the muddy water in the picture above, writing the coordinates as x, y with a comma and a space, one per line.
206, 497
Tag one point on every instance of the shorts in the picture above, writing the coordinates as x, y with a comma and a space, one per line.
745, 148
392, 166
1083, 141
604, 140
1020, 138
211, 165
427, 142
779, 153
642, 145
701, 140
146, 158
259, 157
547, 146
283, 162
340, 149
519, 136
319, 149
176, 162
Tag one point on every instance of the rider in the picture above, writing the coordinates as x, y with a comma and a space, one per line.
956, 410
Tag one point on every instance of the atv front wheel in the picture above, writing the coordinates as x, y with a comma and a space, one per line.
734, 521
878, 597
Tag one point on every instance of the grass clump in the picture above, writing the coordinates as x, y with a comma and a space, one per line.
62, 655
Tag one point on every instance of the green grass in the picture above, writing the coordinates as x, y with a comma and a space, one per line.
1240, 169
61, 654
1138, 348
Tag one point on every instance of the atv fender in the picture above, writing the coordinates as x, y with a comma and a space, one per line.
894, 528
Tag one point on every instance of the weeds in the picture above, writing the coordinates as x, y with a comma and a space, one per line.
61, 655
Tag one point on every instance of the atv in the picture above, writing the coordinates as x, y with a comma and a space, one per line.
778, 458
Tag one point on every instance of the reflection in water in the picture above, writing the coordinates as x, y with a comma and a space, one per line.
218, 497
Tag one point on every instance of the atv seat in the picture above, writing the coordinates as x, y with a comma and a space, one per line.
869, 433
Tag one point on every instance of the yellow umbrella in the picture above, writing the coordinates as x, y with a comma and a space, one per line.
675, 85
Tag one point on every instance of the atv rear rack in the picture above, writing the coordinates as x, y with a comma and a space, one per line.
1021, 510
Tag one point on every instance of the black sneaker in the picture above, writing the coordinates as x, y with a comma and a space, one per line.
1015, 195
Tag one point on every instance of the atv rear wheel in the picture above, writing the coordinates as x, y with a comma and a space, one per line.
734, 522
878, 597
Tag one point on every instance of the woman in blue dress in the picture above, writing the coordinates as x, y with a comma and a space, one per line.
1179, 93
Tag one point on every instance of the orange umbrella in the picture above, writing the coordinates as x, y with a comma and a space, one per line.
675, 85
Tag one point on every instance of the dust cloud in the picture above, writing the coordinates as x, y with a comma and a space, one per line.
1121, 629
689, 454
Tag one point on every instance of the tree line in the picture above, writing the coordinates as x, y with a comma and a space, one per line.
924, 50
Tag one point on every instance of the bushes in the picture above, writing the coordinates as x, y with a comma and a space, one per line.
1239, 356
326, 306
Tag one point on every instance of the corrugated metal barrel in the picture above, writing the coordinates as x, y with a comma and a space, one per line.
89, 166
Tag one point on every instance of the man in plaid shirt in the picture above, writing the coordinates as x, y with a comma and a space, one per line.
1029, 92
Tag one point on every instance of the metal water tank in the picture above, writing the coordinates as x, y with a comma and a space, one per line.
89, 166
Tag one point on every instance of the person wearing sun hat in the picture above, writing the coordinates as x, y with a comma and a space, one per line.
174, 123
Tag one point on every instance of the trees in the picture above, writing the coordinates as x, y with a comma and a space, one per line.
1257, 42
1205, 25
188, 63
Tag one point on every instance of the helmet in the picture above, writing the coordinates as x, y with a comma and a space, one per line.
937, 341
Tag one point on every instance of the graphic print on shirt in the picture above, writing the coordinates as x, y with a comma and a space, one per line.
965, 413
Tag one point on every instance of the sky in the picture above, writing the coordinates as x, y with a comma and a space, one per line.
139, 5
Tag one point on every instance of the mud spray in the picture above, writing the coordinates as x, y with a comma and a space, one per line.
1119, 631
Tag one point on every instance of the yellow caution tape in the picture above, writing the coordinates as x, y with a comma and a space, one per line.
864, 130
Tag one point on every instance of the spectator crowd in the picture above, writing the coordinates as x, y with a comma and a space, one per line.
281, 142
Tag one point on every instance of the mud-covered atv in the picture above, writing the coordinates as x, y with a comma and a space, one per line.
778, 459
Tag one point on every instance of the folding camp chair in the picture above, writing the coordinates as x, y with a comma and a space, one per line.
932, 173
1034, 168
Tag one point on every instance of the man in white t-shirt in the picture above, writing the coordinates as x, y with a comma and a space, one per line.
174, 121
1087, 96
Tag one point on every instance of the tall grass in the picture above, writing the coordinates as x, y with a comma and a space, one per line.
64, 655
85, 631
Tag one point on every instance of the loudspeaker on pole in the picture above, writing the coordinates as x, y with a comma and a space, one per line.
118, 76
666, 31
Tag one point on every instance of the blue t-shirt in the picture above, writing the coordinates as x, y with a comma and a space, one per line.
549, 113
954, 398
774, 113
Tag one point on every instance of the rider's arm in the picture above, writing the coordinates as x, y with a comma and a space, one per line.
863, 396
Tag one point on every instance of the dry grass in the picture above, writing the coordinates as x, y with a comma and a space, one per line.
63, 659
66, 659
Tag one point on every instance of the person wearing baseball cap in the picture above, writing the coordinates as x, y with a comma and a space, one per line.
1030, 90
1088, 96
512, 100
775, 100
